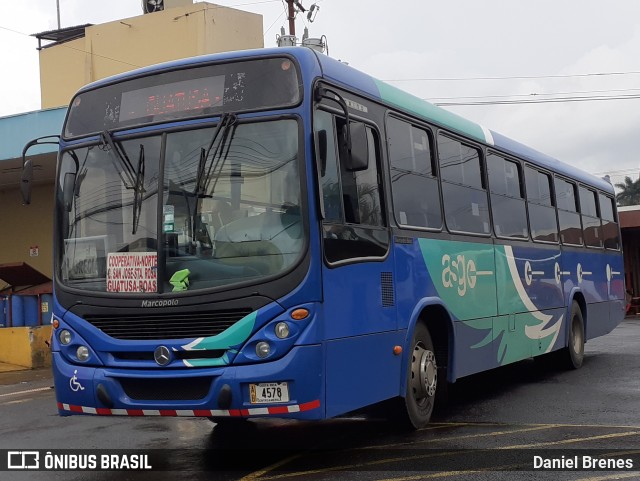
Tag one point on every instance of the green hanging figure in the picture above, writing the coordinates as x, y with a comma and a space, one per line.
180, 280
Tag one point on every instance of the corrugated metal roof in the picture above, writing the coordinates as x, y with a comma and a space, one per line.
61, 35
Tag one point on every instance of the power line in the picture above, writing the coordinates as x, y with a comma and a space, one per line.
536, 101
276, 20
76, 49
514, 77
135, 65
533, 94
620, 173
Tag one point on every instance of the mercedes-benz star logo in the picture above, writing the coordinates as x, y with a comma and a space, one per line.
162, 355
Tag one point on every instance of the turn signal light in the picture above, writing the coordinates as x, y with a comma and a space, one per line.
55, 323
299, 314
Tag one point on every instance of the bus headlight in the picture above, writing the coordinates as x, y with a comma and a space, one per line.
282, 330
65, 337
263, 349
82, 353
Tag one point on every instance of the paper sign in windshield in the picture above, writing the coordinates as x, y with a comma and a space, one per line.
132, 272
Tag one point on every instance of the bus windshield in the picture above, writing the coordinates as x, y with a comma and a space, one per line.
229, 210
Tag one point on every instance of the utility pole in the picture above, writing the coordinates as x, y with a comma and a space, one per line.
58, 8
292, 18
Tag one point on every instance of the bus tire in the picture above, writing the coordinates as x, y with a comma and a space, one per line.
422, 379
573, 354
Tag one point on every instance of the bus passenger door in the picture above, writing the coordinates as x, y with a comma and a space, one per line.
359, 309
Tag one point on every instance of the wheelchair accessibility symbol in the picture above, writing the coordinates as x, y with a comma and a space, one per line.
74, 384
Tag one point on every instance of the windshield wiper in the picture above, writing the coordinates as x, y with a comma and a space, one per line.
134, 179
138, 187
119, 153
222, 130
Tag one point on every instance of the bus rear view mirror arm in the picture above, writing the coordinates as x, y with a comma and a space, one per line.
26, 180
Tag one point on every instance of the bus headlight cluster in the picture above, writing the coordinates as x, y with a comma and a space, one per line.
65, 337
263, 349
82, 353
282, 330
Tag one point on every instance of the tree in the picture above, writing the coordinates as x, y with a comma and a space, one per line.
629, 192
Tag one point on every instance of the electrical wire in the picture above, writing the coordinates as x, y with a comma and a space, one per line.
514, 77
533, 94
536, 101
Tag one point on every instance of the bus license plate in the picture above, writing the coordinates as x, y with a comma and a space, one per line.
269, 392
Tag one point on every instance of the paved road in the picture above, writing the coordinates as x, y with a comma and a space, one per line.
495, 421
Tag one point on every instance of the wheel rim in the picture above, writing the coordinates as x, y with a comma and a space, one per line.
424, 373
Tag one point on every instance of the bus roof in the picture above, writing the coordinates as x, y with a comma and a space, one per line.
349, 77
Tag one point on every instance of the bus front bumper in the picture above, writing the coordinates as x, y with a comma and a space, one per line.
206, 392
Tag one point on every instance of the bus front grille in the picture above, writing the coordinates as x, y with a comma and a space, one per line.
175, 389
167, 325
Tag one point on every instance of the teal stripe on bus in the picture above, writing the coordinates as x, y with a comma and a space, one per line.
430, 112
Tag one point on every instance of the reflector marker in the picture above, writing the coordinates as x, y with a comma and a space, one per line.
261, 411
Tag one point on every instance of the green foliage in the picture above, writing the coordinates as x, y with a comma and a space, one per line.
629, 192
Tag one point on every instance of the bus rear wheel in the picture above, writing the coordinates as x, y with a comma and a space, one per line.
422, 379
573, 354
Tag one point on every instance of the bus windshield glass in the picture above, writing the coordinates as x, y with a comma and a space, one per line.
229, 208
185, 93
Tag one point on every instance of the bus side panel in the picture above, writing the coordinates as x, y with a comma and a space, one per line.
598, 321
353, 300
360, 329
413, 281
362, 371
462, 274
533, 268
598, 275
474, 349
530, 300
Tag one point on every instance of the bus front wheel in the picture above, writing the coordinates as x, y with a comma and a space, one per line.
422, 379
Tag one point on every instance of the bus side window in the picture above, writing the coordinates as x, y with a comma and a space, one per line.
610, 229
466, 207
507, 200
329, 180
360, 189
568, 217
353, 220
416, 194
590, 219
542, 213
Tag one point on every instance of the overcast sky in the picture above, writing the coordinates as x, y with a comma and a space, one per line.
490, 51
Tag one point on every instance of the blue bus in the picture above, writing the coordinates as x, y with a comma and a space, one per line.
273, 233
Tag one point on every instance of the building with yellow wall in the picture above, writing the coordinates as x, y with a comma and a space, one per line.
111, 48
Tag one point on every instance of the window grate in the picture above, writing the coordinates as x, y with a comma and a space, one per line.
386, 282
179, 325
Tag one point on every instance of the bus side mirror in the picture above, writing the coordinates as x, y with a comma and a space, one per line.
68, 190
358, 158
321, 140
26, 181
